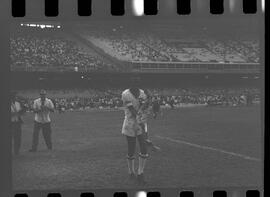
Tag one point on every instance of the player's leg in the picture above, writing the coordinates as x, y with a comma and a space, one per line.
13, 132
47, 134
37, 127
131, 142
145, 135
17, 137
148, 142
142, 158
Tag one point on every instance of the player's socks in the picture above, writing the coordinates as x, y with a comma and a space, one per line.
131, 165
142, 161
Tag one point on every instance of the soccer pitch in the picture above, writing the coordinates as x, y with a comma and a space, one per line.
200, 147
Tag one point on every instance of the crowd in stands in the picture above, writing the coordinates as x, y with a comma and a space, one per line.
33, 51
171, 98
148, 47
210, 97
130, 46
249, 48
37, 50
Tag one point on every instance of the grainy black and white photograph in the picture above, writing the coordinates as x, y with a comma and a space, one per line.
141, 102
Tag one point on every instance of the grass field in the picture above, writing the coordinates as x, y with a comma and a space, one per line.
201, 147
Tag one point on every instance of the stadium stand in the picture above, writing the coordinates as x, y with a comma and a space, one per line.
51, 49
32, 49
148, 47
169, 97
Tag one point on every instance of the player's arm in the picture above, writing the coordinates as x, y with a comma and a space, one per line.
36, 109
128, 104
50, 106
145, 101
130, 107
22, 110
132, 111
13, 113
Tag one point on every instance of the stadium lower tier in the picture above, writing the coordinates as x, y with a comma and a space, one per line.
170, 97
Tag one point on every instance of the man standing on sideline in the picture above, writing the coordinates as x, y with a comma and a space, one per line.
132, 131
42, 108
16, 122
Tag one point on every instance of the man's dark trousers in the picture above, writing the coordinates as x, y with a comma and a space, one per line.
16, 129
46, 131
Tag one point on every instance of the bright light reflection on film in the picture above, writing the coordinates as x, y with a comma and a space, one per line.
138, 7
263, 5
140, 194
232, 5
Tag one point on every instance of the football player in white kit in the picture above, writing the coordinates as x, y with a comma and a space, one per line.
132, 131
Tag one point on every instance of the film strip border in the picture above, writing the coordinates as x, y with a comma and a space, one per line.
154, 193
150, 7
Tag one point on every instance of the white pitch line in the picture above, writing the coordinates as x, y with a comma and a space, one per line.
210, 148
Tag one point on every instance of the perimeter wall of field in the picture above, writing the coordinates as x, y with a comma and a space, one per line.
56, 80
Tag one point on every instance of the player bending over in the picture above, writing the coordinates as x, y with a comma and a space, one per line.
145, 109
156, 108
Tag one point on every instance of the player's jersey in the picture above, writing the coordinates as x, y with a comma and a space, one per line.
129, 100
130, 125
15, 108
144, 112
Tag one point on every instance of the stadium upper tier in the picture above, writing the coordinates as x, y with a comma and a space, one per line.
106, 48
52, 49
150, 47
